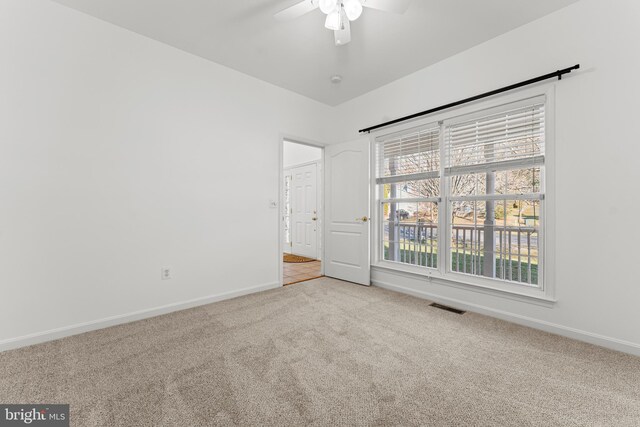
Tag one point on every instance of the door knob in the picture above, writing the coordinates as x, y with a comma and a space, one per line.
314, 219
363, 219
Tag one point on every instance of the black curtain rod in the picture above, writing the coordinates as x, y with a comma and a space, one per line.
557, 74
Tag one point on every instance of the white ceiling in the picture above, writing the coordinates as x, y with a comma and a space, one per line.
300, 55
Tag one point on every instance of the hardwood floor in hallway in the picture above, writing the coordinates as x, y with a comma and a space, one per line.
299, 272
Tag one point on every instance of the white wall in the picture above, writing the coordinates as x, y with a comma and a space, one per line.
120, 155
597, 151
295, 154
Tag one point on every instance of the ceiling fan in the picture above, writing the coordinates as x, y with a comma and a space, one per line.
341, 12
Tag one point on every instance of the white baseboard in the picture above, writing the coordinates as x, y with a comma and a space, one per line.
79, 328
596, 339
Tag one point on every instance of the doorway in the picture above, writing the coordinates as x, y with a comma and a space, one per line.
301, 212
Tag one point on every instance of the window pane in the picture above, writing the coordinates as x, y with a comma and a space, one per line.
520, 181
413, 152
287, 209
402, 212
423, 188
412, 189
497, 239
505, 137
427, 234
468, 185
410, 233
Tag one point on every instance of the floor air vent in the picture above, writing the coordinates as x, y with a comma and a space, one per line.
446, 308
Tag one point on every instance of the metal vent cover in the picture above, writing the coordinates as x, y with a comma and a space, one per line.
447, 308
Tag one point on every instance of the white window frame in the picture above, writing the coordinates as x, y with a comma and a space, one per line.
546, 244
378, 208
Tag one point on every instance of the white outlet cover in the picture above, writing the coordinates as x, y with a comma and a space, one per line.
165, 273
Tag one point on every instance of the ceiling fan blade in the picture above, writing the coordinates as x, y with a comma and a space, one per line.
297, 10
343, 36
395, 6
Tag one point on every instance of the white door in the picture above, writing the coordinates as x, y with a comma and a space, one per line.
304, 210
347, 211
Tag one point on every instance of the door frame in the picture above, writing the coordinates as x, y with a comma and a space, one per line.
320, 195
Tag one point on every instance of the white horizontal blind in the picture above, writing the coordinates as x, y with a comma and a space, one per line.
409, 156
508, 140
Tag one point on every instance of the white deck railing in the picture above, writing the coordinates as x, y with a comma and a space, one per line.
513, 250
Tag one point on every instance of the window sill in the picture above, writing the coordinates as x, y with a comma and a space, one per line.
532, 296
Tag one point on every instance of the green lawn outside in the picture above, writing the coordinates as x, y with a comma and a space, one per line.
421, 258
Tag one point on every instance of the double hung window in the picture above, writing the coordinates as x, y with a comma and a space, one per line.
409, 170
464, 197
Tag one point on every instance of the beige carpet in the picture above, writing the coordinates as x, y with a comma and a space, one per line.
325, 353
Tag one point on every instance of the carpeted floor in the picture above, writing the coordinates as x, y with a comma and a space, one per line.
325, 353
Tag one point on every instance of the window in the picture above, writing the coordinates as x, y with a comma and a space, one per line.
409, 180
494, 167
287, 212
477, 181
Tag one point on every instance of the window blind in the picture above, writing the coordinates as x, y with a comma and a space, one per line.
508, 140
410, 156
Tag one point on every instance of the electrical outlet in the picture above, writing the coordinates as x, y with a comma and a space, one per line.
165, 273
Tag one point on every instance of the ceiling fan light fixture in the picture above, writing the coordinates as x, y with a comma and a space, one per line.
340, 13
333, 21
328, 6
353, 9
